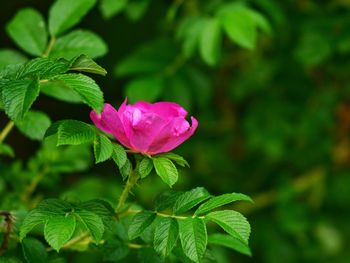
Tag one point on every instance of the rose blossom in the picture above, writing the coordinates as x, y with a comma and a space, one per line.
145, 127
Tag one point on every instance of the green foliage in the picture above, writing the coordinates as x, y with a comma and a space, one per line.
59, 229
193, 236
85, 64
139, 223
87, 89
239, 25
71, 132
166, 170
110, 8
28, 31
34, 125
64, 14
34, 251
229, 242
221, 200
18, 97
165, 235
6, 149
189, 199
145, 167
9, 56
103, 148
79, 42
233, 223
119, 155
210, 42
61, 218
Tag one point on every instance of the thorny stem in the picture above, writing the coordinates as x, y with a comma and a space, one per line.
8, 222
132, 180
6, 131
49, 47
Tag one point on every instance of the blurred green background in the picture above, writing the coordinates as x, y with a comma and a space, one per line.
274, 121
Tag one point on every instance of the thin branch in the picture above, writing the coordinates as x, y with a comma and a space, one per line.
6, 131
132, 180
49, 47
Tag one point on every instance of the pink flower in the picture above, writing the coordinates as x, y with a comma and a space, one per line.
145, 127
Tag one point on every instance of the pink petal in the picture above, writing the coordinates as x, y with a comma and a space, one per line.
163, 109
110, 122
172, 135
169, 109
140, 127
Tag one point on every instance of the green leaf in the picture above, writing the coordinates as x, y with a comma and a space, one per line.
234, 223
139, 223
9, 56
71, 132
240, 26
145, 88
165, 235
34, 251
193, 236
32, 219
176, 158
59, 90
111, 8
166, 200
34, 125
87, 89
103, 148
79, 42
85, 64
28, 30
18, 96
190, 31
119, 155
145, 167
6, 149
229, 242
260, 21
190, 199
54, 206
64, 14
46, 209
42, 68
221, 200
210, 42
101, 208
125, 169
135, 9
166, 170
59, 230
93, 224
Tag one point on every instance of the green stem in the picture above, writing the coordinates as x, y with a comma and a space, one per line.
136, 246
49, 47
130, 211
132, 180
6, 131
